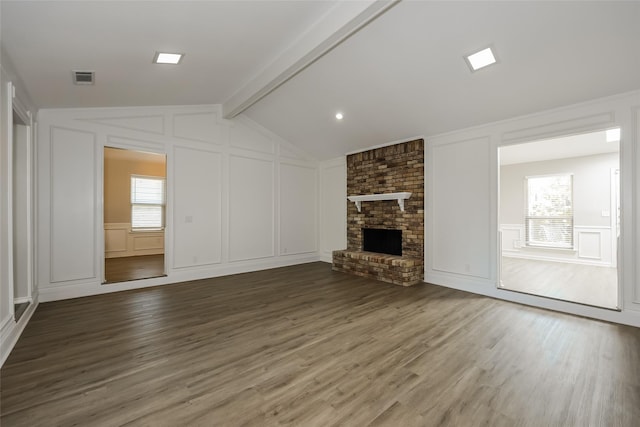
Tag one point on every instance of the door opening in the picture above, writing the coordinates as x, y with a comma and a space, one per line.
134, 215
559, 218
21, 206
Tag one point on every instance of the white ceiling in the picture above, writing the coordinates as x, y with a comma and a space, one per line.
225, 44
400, 76
404, 74
587, 144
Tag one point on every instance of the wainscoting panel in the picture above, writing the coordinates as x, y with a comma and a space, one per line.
153, 124
333, 207
251, 208
115, 239
145, 243
73, 213
200, 127
197, 207
512, 237
459, 240
298, 209
589, 244
592, 246
249, 138
120, 241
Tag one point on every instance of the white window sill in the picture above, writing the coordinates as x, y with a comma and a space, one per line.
549, 248
146, 230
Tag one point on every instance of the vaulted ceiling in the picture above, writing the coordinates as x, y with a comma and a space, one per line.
394, 69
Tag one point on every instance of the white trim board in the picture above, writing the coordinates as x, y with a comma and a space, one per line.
12, 330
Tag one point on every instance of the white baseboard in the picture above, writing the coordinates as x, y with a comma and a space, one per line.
326, 258
521, 255
11, 330
94, 287
21, 300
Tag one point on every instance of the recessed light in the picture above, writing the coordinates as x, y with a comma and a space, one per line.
613, 135
481, 59
167, 58
339, 116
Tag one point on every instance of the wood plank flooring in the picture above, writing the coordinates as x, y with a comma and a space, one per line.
306, 346
133, 268
585, 284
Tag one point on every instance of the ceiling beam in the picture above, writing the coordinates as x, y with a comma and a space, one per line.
342, 21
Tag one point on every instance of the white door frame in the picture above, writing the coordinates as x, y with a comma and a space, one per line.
26, 117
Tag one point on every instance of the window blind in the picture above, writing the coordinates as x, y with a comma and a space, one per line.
549, 215
147, 202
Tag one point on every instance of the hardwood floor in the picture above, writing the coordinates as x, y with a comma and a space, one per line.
133, 268
307, 346
585, 284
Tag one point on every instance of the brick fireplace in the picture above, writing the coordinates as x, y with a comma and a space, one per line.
393, 169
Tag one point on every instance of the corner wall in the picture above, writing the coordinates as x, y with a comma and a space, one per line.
333, 207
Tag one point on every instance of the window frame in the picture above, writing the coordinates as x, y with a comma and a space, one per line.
528, 217
162, 205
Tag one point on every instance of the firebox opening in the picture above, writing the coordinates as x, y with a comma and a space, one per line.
382, 241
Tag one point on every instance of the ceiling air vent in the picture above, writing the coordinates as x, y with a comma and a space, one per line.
83, 77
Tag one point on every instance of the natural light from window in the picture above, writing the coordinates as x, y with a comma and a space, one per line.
147, 203
549, 216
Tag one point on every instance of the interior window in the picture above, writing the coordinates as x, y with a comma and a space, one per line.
549, 216
147, 203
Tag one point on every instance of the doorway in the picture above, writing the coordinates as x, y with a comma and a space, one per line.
21, 212
134, 215
559, 218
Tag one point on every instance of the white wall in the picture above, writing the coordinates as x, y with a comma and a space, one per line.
333, 207
239, 198
461, 226
593, 237
461, 170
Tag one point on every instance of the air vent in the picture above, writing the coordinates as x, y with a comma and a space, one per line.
83, 77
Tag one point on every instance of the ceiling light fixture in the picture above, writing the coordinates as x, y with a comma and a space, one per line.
339, 116
167, 58
613, 135
481, 59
